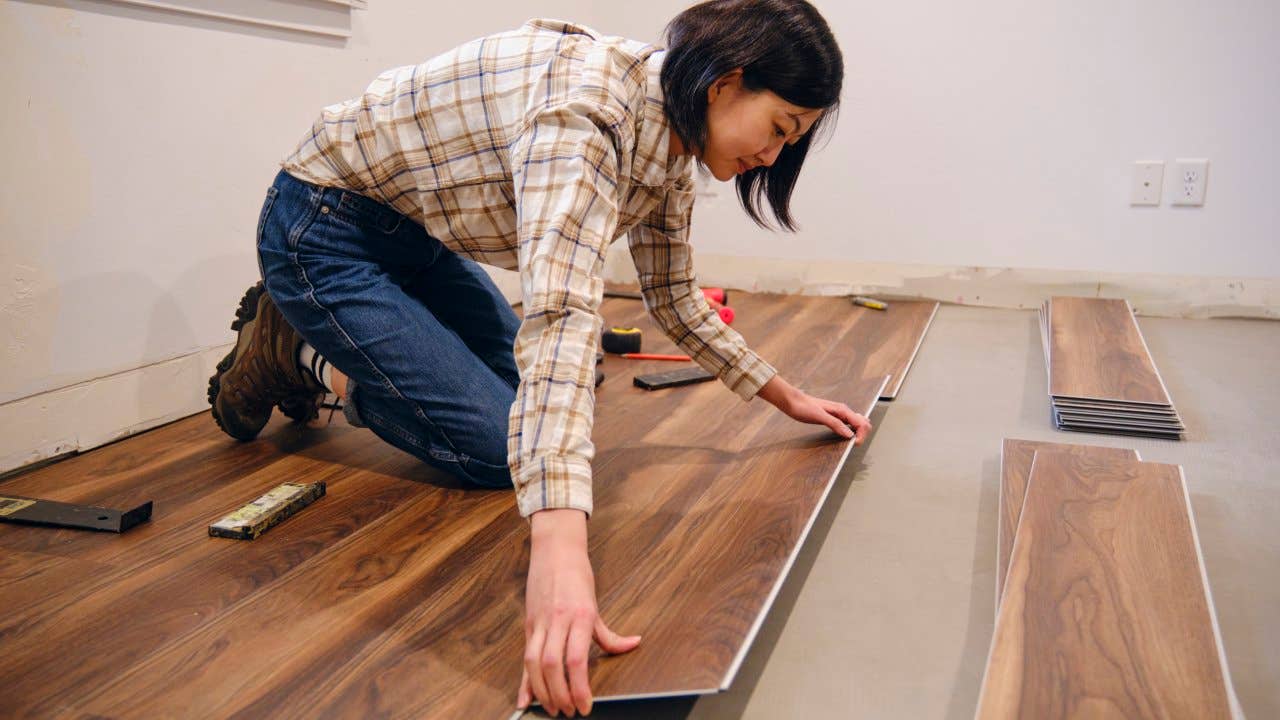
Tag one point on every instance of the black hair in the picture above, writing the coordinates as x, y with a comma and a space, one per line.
781, 45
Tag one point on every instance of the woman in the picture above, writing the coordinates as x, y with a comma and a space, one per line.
530, 150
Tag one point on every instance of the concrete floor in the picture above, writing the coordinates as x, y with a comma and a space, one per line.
889, 609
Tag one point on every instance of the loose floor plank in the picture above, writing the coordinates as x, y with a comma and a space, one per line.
1101, 377
1097, 352
400, 594
1106, 612
1016, 457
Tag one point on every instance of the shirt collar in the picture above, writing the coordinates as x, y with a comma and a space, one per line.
655, 133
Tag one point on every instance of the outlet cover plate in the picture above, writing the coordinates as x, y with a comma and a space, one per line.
1190, 176
1147, 178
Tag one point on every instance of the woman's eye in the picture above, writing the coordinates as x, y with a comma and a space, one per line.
779, 131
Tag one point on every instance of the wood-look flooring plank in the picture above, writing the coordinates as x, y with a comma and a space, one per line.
401, 595
1096, 351
888, 341
734, 542
178, 528
143, 610
626, 546
291, 632
1015, 467
1106, 612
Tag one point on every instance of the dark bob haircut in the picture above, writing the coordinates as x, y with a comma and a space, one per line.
781, 45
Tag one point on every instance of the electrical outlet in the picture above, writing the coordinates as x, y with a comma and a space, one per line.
1145, 187
1191, 177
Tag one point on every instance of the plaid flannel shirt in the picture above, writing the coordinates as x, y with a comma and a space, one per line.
533, 150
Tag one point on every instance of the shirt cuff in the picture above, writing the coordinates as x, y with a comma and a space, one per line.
748, 375
553, 483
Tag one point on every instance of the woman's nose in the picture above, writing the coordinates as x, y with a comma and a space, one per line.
769, 154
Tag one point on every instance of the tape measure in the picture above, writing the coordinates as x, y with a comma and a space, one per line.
621, 340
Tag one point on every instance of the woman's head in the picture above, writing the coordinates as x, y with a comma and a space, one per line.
747, 84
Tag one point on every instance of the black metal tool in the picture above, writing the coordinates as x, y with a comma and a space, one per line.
34, 511
674, 378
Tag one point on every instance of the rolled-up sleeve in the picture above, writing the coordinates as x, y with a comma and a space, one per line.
664, 260
565, 171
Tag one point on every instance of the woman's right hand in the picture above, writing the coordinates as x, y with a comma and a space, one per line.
560, 616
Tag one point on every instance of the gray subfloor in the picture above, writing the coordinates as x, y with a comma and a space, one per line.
889, 609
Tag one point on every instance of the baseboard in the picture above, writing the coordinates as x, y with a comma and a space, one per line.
1150, 294
92, 413
95, 412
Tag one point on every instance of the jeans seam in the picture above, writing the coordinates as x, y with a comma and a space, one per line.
407, 436
310, 295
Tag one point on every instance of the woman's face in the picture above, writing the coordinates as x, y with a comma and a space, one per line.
747, 128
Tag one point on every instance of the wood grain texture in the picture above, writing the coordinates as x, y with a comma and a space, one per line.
890, 339
1096, 351
1016, 457
399, 594
1106, 612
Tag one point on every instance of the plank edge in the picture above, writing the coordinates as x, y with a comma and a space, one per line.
902, 377
1233, 702
750, 637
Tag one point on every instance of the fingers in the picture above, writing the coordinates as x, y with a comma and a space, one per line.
838, 426
612, 642
575, 662
525, 695
862, 428
551, 665
533, 668
847, 418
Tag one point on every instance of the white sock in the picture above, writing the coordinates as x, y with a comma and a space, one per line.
314, 363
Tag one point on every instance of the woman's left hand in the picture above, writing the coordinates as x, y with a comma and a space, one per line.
804, 407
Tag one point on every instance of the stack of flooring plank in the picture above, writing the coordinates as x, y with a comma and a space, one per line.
1101, 375
399, 594
1103, 604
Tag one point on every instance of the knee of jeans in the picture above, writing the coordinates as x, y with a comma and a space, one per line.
488, 474
486, 460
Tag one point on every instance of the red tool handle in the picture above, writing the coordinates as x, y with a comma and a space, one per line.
714, 299
651, 356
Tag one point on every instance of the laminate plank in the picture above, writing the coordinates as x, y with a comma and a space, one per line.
1128, 420
1106, 611
141, 611
400, 595
1097, 351
889, 341
684, 489
1118, 429
1153, 411
739, 537
1015, 467
325, 611
178, 528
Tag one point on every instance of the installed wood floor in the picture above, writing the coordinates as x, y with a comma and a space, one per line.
1105, 612
399, 594
894, 337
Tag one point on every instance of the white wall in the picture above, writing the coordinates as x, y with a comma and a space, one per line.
137, 147
1002, 134
138, 144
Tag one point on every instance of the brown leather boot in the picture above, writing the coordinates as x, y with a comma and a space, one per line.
261, 371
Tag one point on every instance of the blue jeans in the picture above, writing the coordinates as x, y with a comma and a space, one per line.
422, 333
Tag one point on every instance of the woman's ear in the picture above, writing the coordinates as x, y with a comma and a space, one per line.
730, 81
